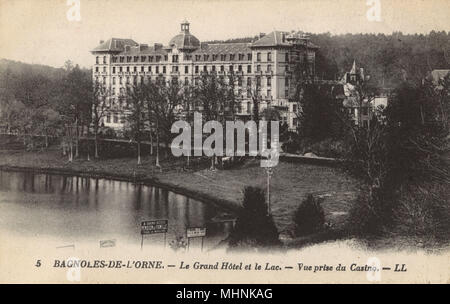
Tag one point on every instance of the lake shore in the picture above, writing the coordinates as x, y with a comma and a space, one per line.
290, 183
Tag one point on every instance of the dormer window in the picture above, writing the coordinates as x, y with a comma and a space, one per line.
104, 59
96, 60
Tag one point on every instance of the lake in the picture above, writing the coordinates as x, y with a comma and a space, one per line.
75, 209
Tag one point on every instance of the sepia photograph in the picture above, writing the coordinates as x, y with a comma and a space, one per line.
224, 141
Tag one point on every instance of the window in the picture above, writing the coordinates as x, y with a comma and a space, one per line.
222, 68
249, 82
136, 58
196, 69
122, 59
258, 81
174, 69
214, 57
249, 56
258, 68
286, 93
286, 57
222, 57
213, 68
104, 80
249, 69
269, 93
104, 59
269, 81
104, 69
174, 58
269, 68
294, 108
232, 57
164, 69
166, 57
142, 68
135, 69
186, 69
186, 81
120, 69
143, 58
258, 56
231, 68
158, 58
240, 68
114, 80
150, 58
157, 69
129, 58
108, 119
116, 118
286, 82
240, 81
114, 70
96, 69
96, 60
120, 80
128, 69
269, 56
149, 68
205, 68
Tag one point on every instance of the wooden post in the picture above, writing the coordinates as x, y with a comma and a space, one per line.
202, 244
142, 241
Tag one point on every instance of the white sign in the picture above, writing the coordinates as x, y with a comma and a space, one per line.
195, 232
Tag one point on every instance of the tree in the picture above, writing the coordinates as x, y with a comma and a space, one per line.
210, 96
75, 103
136, 98
99, 107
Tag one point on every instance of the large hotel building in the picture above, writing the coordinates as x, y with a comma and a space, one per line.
266, 64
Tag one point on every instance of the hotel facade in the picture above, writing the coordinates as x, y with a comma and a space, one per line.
264, 66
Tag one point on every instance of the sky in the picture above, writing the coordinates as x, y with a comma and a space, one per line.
38, 31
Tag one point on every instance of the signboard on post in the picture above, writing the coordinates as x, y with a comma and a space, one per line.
153, 227
107, 243
194, 233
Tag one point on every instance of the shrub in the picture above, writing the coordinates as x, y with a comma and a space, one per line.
254, 228
309, 216
424, 212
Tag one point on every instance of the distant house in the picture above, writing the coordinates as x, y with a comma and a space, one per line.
436, 76
363, 110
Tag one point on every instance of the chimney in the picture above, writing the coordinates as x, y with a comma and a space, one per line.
261, 35
101, 41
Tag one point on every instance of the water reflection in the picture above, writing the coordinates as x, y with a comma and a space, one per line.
78, 208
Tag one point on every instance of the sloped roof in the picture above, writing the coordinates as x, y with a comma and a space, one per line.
275, 38
150, 50
223, 48
185, 41
114, 45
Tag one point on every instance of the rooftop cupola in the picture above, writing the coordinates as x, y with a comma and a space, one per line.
185, 27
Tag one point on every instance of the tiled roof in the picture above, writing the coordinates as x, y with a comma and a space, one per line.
114, 45
275, 38
145, 51
224, 48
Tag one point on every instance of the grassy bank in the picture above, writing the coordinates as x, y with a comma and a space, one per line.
290, 182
